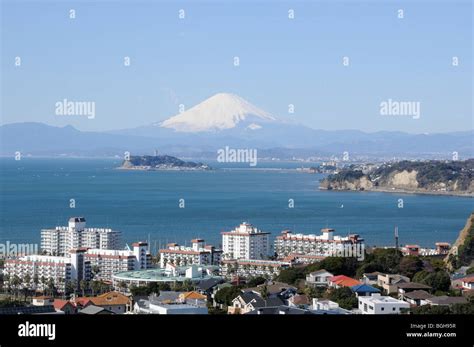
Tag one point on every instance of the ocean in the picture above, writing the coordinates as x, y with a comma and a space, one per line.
36, 193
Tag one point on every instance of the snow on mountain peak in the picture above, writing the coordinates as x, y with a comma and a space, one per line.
221, 111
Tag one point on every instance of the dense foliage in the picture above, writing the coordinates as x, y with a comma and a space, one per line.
153, 161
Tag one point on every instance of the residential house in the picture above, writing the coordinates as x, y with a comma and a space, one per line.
113, 301
65, 306
378, 304
404, 288
318, 278
417, 297
364, 290
389, 282
299, 300
279, 310
95, 310
250, 301
446, 300
467, 282
370, 277
323, 306
170, 302
342, 281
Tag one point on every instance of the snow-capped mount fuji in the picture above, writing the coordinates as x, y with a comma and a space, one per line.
221, 111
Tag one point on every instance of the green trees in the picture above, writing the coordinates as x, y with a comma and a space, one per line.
410, 265
336, 265
438, 280
291, 275
344, 297
255, 281
225, 295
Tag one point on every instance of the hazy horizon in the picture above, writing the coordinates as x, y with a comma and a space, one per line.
282, 61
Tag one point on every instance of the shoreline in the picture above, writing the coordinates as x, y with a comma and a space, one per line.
403, 191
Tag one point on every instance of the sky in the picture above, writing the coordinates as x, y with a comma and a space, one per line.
283, 61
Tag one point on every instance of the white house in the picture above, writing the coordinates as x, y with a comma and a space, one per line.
378, 304
467, 282
318, 278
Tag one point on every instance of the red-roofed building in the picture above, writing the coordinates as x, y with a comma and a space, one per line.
411, 250
342, 281
64, 305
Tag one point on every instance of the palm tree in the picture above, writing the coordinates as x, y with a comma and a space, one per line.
95, 286
15, 283
26, 284
6, 279
83, 286
95, 270
50, 285
43, 283
35, 281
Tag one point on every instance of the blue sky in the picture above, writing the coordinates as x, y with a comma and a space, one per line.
282, 61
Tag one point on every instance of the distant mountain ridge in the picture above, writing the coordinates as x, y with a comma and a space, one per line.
228, 120
272, 140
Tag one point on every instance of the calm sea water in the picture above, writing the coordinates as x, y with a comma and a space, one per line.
35, 194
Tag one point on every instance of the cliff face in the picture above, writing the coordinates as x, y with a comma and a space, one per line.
462, 251
428, 177
362, 183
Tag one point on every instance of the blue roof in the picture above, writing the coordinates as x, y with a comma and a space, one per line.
364, 288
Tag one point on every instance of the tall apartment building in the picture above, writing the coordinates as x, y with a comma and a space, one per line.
197, 254
41, 269
60, 240
246, 242
323, 245
105, 263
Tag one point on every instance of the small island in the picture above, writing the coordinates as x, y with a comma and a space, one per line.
424, 177
161, 163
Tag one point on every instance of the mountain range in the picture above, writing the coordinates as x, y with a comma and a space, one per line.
228, 120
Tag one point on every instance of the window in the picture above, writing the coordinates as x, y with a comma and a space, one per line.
393, 308
382, 309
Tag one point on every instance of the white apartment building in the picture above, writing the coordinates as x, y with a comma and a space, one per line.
106, 262
252, 267
326, 244
60, 240
197, 254
245, 242
378, 304
43, 268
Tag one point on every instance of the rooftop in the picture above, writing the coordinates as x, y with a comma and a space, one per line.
163, 275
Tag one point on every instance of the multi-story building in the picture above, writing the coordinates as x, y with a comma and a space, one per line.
60, 240
245, 242
106, 262
42, 269
252, 267
197, 254
326, 244
378, 304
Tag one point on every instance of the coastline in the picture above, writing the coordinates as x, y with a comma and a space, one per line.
404, 191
